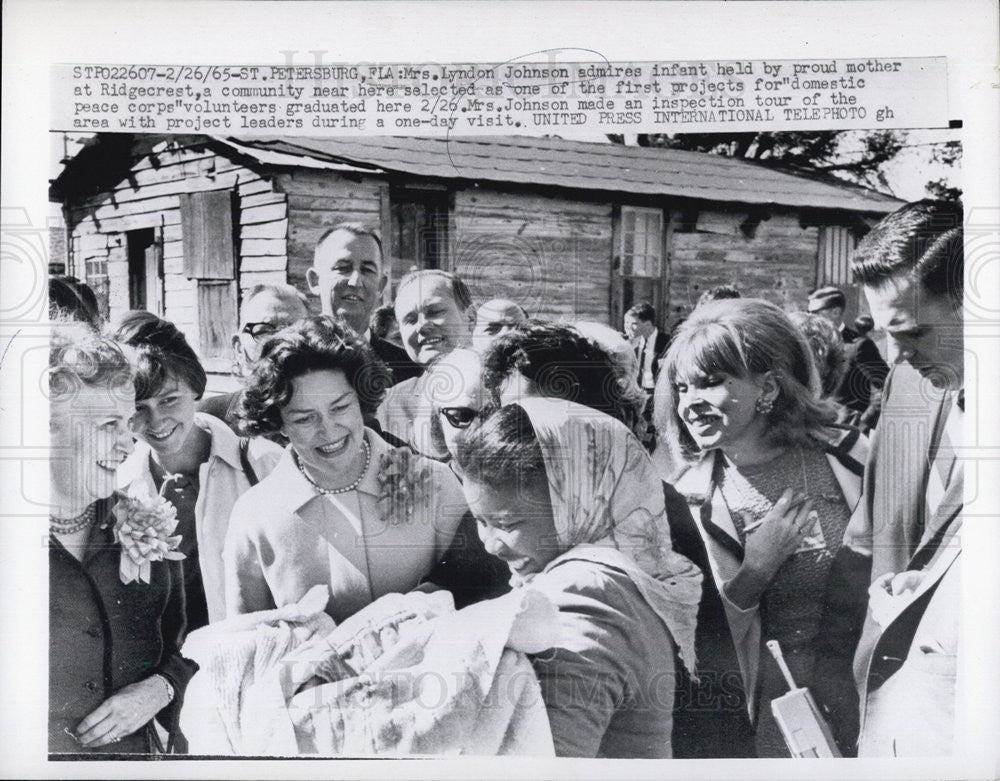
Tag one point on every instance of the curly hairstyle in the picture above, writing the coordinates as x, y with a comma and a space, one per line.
502, 449
921, 241
827, 346
79, 356
159, 352
313, 344
560, 362
626, 364
743, 337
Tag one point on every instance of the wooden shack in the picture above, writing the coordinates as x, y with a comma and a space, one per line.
184, 225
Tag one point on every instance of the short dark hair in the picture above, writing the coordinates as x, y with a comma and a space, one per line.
459, 290
312, 344
502, 449
562, 363
644, 312
921, 241
358, 229
719, 293
382, 319
864, 324
158, 351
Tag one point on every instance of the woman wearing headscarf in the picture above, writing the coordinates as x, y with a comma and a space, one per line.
569, 499
116, 610
774, 483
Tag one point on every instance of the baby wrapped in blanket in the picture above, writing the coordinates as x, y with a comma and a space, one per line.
406, 675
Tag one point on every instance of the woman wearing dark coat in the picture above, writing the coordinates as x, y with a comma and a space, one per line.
115, 622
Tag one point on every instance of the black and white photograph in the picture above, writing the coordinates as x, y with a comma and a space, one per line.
561, 444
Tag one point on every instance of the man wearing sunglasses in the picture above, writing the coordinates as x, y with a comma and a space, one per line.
266, 310
454, 397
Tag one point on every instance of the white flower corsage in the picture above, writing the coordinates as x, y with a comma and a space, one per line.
144, 526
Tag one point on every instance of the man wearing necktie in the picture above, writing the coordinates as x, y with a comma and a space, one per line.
911, 268
649, 343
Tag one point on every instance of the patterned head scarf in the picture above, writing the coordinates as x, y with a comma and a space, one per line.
607, 496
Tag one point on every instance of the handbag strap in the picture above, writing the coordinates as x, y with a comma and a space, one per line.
248, 469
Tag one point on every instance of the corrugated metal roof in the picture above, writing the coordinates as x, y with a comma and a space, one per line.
584, 165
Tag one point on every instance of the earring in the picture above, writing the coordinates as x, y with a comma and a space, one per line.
764, 406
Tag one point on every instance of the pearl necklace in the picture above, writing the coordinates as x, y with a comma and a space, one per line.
73, 525
347, 488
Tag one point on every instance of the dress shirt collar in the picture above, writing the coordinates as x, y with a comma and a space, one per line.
224, 445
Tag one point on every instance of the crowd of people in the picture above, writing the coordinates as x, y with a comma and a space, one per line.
682, 500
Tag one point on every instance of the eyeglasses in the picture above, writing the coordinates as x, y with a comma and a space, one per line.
459, 417
260, 330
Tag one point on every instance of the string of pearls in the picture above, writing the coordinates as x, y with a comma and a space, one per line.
347, 488
73, 525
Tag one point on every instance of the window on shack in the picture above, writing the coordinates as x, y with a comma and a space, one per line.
640, 249
95, 274
836, 243
210, 252
145, 270
418, 231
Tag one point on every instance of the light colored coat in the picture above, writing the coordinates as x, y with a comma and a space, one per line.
696, 484
912, 712
284, 538
222, 481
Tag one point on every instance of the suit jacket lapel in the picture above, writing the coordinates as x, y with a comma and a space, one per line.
948, 509
698, 485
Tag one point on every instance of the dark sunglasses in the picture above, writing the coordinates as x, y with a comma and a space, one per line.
459, 417
258, 330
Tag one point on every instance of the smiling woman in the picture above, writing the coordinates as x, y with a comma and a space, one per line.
592, 535
192, 459
342, 508
114, 661
738, 398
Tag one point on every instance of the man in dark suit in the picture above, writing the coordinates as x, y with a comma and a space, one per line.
911, 268
348, 276
649, 343
861, 389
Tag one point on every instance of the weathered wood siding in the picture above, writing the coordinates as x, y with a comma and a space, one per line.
551, 255
149, 198
777, 263
318, 200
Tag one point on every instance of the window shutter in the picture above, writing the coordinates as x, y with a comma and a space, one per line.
216, 320
154, 275
836, 243
207, 232
641, 238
